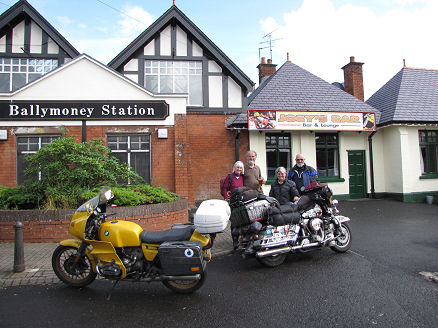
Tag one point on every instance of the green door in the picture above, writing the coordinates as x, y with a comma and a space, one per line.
356, 171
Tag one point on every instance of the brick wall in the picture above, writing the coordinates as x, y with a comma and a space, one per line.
52, 226
212, 152
199, 150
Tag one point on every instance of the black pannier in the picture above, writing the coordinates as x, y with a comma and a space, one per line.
242, 195
249, 213
181, 257
284, 214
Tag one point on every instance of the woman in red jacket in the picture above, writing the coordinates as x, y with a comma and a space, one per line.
236, 181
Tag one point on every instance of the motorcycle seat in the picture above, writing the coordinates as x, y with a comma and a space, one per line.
159, 237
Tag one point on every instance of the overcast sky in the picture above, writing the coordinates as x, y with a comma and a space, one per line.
320, 35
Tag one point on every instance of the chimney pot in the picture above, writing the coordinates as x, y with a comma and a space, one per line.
351, 59
288, 57
263, 60
269, 61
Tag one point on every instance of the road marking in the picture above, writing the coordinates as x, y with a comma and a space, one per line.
357, 254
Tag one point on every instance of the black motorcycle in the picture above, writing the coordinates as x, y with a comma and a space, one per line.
263, 228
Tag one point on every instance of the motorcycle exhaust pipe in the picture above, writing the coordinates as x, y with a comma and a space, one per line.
187, 278
275, 251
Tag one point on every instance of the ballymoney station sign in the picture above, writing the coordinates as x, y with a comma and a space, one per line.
83, 110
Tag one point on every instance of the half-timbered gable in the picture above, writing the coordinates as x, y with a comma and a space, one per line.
173, 56
29, 47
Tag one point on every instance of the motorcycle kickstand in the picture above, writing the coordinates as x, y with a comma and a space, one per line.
108, 295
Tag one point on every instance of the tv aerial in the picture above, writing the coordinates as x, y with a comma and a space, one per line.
269, 41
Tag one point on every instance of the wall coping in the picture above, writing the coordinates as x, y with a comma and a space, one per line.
66, 214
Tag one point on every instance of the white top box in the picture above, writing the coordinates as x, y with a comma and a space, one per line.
212, 216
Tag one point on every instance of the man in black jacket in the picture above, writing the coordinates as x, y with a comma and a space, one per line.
283, 190
302, 174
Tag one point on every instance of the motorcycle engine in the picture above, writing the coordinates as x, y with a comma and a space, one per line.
314, 212
131, 258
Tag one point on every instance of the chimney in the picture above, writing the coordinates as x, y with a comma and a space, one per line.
353, 79
266, 70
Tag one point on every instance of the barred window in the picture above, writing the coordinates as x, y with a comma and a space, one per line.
277, 152
429, 151
29, 145
327, 154
134, 150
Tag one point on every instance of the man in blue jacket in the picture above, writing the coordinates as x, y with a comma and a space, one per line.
302, 174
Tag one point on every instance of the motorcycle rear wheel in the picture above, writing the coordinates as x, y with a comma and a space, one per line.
75, 274
184, 286
343, 243
273, 260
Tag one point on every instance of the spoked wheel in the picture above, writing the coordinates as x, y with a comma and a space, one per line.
185, 286
73, 273
273, 260
343, 242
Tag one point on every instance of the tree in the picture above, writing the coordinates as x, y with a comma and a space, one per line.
67, 168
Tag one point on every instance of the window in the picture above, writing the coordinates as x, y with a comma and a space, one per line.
429, 151
134, 150
175, 77
16, 72
277, 152
327, 154
29, 145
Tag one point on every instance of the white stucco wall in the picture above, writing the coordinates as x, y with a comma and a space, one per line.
215, 91
36, 38
234, 94
181, 42
18, 38
165, 42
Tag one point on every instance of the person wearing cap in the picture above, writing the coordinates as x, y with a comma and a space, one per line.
302, 174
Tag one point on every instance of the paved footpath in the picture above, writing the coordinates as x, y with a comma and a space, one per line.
38, 265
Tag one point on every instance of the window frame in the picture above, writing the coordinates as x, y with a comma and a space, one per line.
129, 150
425, 168
287, 147
173, 69
20, 171
11, 66
325, 148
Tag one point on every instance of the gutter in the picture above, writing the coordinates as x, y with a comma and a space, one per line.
236, 142
370, 148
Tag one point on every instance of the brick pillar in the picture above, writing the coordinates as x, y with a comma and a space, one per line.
183, 177
353, 79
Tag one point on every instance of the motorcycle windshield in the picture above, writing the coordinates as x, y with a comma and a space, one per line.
104, 195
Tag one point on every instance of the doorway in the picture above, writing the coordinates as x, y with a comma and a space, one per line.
357, 173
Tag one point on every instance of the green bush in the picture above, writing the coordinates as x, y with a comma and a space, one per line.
133, 195
68, 168
19, 198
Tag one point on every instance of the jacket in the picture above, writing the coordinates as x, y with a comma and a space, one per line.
284, 192
303, 176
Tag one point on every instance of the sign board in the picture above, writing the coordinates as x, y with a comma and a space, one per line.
84, 110
303, 120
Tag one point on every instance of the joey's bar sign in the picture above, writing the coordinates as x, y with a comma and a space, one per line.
83, 110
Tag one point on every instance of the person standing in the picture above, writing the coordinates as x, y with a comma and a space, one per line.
236, 180
283, 190
302, 174
252, 177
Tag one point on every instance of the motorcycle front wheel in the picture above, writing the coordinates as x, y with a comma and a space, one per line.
73, 273
343, 242
273, 260
185, 286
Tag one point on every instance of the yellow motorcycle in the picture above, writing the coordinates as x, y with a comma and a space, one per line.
121, 250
